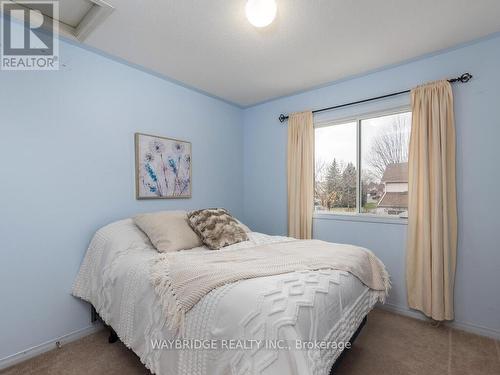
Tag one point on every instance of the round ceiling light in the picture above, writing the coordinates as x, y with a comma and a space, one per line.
261, 13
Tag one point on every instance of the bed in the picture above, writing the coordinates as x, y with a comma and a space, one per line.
290, 323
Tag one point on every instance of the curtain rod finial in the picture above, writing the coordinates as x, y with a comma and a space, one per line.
466, 77
282, 118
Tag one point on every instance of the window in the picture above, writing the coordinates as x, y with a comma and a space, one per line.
361, 165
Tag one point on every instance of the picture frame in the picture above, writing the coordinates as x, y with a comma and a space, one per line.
163, 167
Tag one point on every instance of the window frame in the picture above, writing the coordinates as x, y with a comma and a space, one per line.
358, 215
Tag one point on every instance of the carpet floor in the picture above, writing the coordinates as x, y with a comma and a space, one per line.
388, 344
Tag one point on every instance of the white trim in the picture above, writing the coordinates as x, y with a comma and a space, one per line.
468, 327
21, 356
99, 11
359, 193
356, 217
95, 16
363, 116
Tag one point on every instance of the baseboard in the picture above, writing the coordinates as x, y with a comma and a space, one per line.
468, 327
48, 345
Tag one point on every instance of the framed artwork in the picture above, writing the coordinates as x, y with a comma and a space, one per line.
162, 167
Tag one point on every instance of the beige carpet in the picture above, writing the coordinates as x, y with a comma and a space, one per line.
389, 344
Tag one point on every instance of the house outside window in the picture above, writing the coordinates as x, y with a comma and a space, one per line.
361, 165
394, 200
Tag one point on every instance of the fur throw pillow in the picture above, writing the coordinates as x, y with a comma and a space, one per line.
216, 227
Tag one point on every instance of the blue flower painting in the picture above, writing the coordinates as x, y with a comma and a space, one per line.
163, 167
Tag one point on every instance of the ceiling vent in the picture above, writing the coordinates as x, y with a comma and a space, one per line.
78, 18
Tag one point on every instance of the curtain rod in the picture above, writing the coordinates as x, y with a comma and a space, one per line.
466, 77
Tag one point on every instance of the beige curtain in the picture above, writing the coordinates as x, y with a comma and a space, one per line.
432, 210
300, 174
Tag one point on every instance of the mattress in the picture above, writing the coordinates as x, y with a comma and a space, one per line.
293, 323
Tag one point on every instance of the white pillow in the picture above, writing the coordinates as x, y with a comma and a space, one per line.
168, 230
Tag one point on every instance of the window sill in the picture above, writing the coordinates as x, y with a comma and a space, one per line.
366, 218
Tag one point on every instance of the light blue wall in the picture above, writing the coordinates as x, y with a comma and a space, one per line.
477, 301
67, 168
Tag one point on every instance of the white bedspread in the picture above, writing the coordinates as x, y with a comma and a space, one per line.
293, 308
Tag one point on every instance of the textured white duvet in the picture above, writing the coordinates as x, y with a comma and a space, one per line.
292, 308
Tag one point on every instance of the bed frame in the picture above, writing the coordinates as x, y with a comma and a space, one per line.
94, 317
351, 341
113, 337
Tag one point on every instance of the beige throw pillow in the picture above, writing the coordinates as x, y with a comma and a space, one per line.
216, 227
168, 230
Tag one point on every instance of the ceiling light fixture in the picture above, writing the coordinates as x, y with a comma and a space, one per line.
261, 13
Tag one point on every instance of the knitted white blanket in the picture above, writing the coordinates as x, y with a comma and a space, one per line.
181, 279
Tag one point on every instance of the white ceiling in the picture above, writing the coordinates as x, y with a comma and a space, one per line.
71, 12
209, 45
